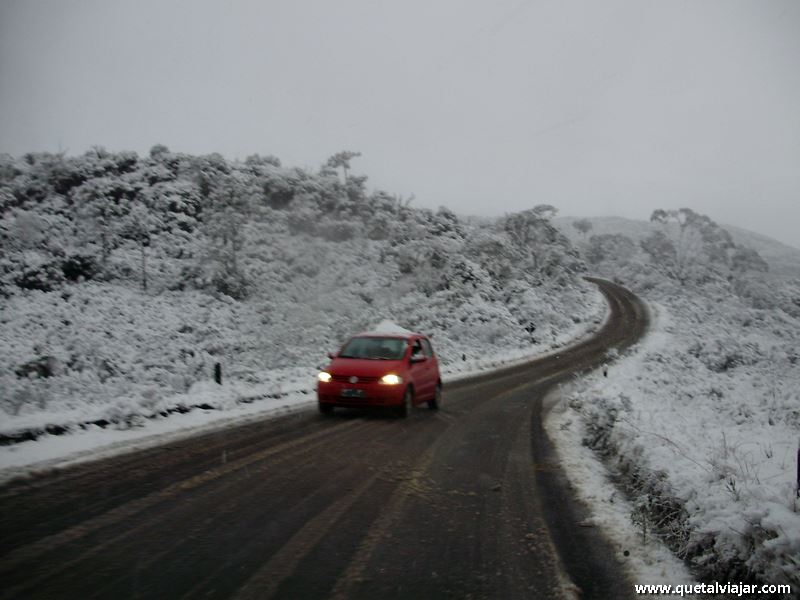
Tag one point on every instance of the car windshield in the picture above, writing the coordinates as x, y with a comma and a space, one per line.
375, 348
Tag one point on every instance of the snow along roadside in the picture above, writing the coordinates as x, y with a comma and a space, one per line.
646, 561
584, 422
242, 404
649, 562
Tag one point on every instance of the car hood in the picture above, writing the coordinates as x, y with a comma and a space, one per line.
363, 367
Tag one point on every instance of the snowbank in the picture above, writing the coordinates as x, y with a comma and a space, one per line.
646, 558
700, 425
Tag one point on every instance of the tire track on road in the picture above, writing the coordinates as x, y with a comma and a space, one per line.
28, 553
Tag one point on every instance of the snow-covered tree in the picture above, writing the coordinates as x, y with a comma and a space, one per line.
746, 259
140, 225
545, 250
609, 246
692, 247
100, 205
224, 225
495, 252
342, 160
25, 230
158, 151
582, 225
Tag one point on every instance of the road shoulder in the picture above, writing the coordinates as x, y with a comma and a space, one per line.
646, 562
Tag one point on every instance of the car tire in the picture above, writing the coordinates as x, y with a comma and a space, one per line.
325, 409
436, 402
404, 410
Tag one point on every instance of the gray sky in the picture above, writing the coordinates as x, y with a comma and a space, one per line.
599, 108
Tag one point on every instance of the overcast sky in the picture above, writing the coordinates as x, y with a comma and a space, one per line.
599, 108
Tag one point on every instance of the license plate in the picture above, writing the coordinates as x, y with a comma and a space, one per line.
347, 393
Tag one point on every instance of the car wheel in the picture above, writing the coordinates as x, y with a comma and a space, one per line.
408, 401
436, 403
325, 409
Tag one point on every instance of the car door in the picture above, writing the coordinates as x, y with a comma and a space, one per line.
419, 371
432, 366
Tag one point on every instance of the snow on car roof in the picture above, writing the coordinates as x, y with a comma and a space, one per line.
387, 327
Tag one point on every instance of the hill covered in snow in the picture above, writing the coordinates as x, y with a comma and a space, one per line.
783, 260
701, 423
125, 279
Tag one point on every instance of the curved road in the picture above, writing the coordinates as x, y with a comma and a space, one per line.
468, 502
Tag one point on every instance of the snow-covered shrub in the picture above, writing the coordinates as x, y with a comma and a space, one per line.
725, 353
303, 221
79, 267
606, 247
701, 426
339, 230
170, 263
34, 271
233, 284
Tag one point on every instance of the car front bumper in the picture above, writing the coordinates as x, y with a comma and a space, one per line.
373, 394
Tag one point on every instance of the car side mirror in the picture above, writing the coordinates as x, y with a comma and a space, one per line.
332, 354
417, 358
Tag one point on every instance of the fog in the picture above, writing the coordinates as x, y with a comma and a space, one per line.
612, 108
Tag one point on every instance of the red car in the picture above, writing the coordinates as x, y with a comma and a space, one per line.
395, 369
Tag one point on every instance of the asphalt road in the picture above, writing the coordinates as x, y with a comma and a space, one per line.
467, 502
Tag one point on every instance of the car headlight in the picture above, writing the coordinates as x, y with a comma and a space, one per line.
391, 379
324, 376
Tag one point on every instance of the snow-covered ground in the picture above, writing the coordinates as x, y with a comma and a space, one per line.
646, 558
214, 406
132, 333
699, 424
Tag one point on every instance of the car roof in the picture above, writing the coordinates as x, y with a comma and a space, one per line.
379, 334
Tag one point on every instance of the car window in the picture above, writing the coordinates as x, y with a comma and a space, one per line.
427, 348
416, 349
375, 348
